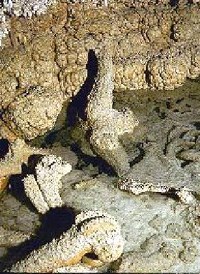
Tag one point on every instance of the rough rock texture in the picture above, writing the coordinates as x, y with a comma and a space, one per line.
160, 231
19, 155
105, 124
155, 46
163, 233
93, 232
26, 8
137, 187
43, 187
78, 268
29, 115
51, 52
151, 224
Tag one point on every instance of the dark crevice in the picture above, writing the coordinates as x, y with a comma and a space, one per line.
78, 105
174, 3
161, 114
92, 256
197, 125
183, 134
171, 193
96, 161
185, 163
4, 148
140, 157
168, 105
147, 75
178, 101
168, 140
172, 33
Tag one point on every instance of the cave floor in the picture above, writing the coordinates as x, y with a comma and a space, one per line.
161, 233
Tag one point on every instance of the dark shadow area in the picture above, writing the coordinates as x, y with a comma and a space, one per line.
50, 138
54, 223
141, 155
4, 148
16, 189
92, 256
171, 194
45, 140
161, 114
78, 105
174, 3
197, 125
147, 75
96, 161
186, 163
16, 184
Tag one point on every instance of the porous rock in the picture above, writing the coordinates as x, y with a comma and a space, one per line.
99, 233
43, 187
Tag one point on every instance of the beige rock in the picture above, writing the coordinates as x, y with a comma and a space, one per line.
93, 232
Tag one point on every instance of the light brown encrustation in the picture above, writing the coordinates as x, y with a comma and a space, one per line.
156, 46
43, 61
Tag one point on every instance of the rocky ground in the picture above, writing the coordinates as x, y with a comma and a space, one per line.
161, 233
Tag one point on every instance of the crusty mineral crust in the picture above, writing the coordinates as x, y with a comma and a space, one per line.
43, 187
33, 112
155, 46
93, 232
105, 123
137, 187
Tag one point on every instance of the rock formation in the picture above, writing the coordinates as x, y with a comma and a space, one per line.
93, 231
29, 115
43, 187
105, 124
157, 46
137, 187
43, 59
